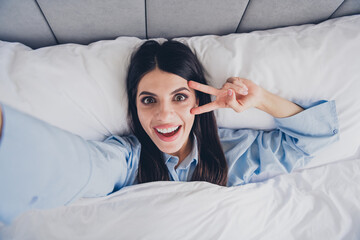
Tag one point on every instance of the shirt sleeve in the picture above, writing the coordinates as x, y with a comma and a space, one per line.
256, 155
42, 166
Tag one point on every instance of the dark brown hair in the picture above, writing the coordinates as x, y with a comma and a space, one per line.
176, 58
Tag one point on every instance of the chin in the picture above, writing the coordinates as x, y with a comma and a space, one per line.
169, 149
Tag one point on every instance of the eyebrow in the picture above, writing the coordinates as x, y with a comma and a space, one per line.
173, 92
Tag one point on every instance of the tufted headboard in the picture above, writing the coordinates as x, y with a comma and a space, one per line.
39, 23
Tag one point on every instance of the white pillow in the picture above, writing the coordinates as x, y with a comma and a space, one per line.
75, 87
301, 63
82, 88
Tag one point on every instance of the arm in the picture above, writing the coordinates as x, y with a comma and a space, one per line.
277, 106
255, 155
0, 121
42, 166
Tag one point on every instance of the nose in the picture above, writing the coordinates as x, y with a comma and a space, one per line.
164, 111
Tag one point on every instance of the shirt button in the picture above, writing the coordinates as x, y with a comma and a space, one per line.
335, 131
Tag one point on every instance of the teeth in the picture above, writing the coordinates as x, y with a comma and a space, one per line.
167, 130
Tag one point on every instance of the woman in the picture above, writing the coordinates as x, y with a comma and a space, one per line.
176, 138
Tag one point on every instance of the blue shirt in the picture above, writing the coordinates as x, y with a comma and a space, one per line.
42, 166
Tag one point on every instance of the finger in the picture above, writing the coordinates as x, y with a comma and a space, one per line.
203, 88
204, 108
232, 102
237, 81
243, 90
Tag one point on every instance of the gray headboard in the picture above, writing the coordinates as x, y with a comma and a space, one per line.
39, 23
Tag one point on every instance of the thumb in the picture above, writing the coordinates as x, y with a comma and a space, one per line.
232, 102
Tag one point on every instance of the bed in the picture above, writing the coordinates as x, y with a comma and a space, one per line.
65, 63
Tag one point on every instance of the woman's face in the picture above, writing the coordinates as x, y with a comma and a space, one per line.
163, 103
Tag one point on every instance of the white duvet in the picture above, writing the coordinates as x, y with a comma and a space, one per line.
318, 203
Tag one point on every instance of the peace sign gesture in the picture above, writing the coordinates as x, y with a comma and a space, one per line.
237, 93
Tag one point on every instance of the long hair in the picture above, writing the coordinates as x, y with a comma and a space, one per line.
176, 58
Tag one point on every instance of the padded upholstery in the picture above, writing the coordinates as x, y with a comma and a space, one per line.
39, 23
349, 7
266, 14
23, 21
174, 18
85, 21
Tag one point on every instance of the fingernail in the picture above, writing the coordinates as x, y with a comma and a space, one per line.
229, 92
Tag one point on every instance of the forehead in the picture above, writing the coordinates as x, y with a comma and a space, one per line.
158, 80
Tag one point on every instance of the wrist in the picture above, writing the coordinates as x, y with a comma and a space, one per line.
264, 97
277, 106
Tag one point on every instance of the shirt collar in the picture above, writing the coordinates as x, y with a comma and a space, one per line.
192, 157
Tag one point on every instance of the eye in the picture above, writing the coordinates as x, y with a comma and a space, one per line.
180, 97
147, 100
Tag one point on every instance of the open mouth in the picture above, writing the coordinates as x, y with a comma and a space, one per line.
169, 134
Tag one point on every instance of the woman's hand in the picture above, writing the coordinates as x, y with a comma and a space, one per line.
237, 93
241, 94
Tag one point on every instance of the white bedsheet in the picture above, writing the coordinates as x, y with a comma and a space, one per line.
317, 203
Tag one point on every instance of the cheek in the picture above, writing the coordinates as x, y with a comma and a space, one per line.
144, 117
184, 112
